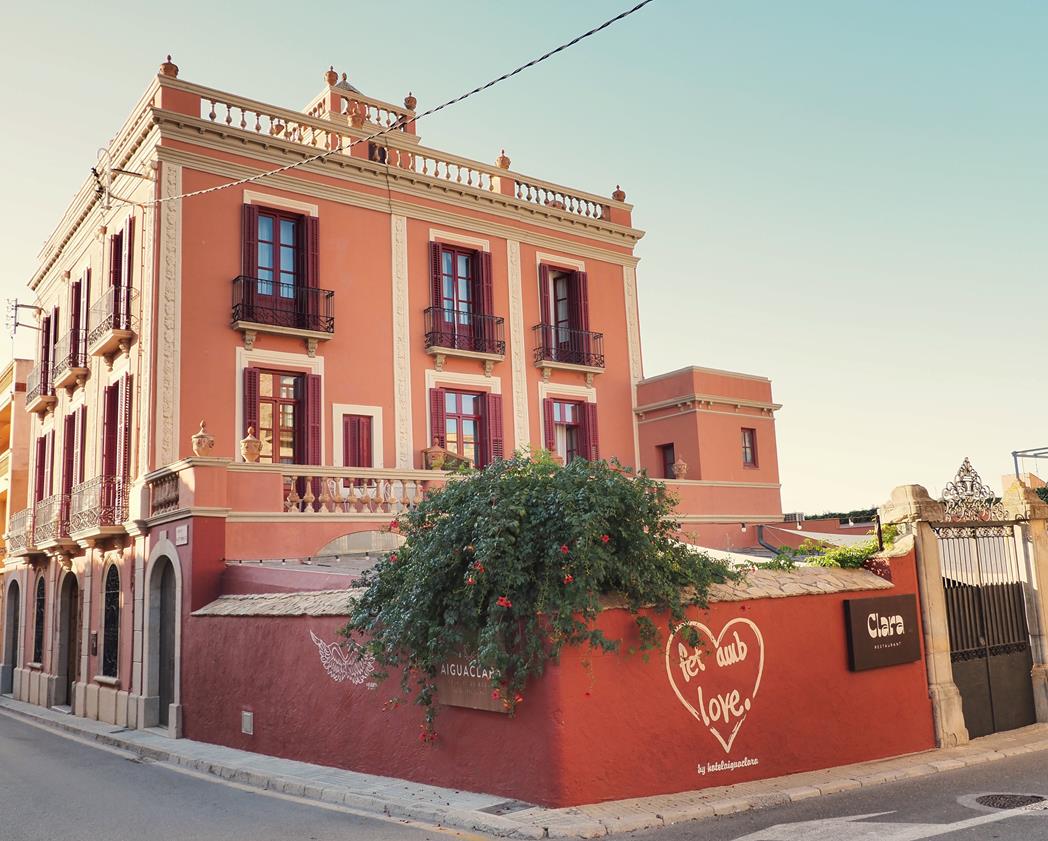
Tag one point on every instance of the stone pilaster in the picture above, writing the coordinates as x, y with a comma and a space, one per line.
911, 504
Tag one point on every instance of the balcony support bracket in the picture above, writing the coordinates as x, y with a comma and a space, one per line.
311, 346
249, 339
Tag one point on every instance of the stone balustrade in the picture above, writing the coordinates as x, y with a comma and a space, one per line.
351, 490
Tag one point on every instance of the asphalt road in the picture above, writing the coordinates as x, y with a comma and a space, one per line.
939, 806
53, 788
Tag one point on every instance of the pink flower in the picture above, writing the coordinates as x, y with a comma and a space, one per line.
518, 698
393, 558
504, 602
564, 549
394, 525
569, 578
478, 566
471, 580
604, 538
495, 695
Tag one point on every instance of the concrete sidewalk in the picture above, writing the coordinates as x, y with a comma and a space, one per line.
499, 816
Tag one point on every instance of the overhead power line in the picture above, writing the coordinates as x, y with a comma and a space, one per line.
397, 126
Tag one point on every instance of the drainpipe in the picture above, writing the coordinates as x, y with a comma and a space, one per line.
760, 540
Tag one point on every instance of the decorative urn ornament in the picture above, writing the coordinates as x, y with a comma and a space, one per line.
618, 195
502, 162
410, 101
680, 469
330, 76
250, 446
203, 443
169, 68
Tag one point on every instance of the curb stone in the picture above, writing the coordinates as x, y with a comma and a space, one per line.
463, 810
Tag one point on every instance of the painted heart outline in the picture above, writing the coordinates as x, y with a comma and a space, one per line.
716, 641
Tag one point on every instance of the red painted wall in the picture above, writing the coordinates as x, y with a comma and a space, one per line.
594, 728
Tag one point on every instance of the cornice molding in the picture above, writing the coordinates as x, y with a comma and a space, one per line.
359, 171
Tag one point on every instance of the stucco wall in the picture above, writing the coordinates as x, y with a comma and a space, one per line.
596, 727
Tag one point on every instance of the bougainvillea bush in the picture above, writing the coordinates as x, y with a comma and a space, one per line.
510, 563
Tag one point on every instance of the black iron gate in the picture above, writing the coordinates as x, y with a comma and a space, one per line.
989, 635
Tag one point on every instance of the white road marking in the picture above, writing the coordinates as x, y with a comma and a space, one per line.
849, 829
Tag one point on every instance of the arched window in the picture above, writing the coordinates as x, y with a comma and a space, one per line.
38, 619
111, 623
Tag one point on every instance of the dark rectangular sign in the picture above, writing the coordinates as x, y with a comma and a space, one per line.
463, 682
882, 631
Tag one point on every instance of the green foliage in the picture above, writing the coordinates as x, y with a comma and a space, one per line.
859, 515
815, 553
1043, 494
509, 564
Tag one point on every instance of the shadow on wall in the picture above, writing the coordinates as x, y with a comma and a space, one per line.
361, 542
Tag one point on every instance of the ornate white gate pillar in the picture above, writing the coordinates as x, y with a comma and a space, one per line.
1022, 503
911, 504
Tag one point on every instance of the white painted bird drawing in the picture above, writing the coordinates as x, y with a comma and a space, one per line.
341, 666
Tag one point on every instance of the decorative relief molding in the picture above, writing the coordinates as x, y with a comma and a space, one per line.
401, 342
521, 422
169, 320
144, 345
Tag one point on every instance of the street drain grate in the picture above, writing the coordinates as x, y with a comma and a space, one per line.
506, 807
1008, 801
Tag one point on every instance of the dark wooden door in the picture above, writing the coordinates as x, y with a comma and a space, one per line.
167, 640
72, 640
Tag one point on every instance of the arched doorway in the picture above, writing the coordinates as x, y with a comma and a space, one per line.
11, 629
68, 660
163, 632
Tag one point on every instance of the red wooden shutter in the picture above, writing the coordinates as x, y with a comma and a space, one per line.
437, 418
54, 334
79, 430
590, 436
74, 312
356, 441
115, 259
85, 309
69, 451
493, 439
436, 287
49, 464
314, 409
251, 400
365, 458
549, 431
578, 302
45, 341
124, 423
485, 297
127, 247
38, 473
249, 237
109, 415
312, 251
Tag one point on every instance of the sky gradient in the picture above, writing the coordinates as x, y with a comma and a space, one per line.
850, 198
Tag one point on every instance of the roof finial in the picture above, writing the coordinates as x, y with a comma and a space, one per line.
618, 195
410, 102
168, 68
502, 162
330, 76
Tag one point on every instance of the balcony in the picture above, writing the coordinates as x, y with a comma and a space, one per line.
283, 309
39, 390
69, 367
466, 335
111, 322
98, 507
20, 533
568, 350
51, 521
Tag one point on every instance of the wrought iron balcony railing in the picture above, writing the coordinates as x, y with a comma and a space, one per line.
20, 531
101, 501
287, 305
454, 330
38, 384
112, 315
51, 519
571, 347
70, 354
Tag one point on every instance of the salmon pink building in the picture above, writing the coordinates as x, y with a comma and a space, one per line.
240, 379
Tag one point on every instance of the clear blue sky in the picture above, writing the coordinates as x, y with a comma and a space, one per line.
848, 197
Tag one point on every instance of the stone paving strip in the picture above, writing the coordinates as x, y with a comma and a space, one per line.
466, 810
